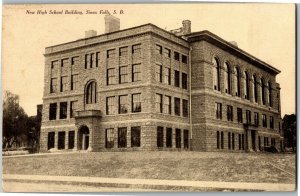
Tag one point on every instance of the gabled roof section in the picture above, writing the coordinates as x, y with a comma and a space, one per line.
216, 40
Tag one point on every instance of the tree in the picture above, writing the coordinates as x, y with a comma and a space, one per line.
289, 126
14, 120
33, 125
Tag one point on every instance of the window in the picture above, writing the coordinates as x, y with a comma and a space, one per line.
259, 143
267, 96
52, 111
110, 76
229, 140
167, 52
239, 115
218, 110
53, 85
73, 108
185, 111
263, 97
233, 140
227, 79
74, 61
271, 122
63, 110
61, 140
90, 93
158, 103
136, 73
264, 120
122, 137
167, 105
74, 81
255, 88
110, 105
97, 59
248, 116
54, 68
123, 75
237, 83
167, 76
135, 136
136, 103
256, 119
158, 49
177, 78
184, 81
169, 138
229, 113
51, 140
110, 53
136, 49
222, 140
123, 51
184, 59
216, 74
270, 95
63, 83
218, 140
176, 56
86, 61
123, 104
186, 138
64, 66
177, 106
158, 75
160, 137
246, 85
92, 60
109, 138
71, 139
178, 138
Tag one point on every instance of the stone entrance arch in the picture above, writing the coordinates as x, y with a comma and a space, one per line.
83, 138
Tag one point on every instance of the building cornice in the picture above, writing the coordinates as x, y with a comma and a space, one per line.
216, 40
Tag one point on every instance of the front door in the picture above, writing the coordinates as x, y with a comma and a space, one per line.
86, 142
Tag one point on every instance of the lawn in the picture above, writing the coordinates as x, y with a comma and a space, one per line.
208, 166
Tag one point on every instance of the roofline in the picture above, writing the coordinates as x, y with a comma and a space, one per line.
105, 34
210, 35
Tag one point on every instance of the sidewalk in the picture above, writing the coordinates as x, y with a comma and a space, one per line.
154, 182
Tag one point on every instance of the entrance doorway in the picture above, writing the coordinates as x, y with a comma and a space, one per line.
83, 138
253, 139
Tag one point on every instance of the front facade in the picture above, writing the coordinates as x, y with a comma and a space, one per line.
144, 88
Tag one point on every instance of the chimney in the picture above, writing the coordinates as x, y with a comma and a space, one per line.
234, 43
112, 23
90, 33
186, 27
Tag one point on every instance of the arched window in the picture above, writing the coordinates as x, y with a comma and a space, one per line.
237, 81
263, 97
270, 94
267, 93
90, 93
246, 85
227, 78
216, 74
254, 78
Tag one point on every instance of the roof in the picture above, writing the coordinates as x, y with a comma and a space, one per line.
149, 27
214, 39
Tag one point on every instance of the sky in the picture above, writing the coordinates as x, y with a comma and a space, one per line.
266, 31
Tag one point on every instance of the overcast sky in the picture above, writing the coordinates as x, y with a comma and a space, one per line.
266, 31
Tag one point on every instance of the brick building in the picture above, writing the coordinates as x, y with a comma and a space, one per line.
145, 88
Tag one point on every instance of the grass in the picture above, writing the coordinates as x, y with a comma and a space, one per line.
207, 166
